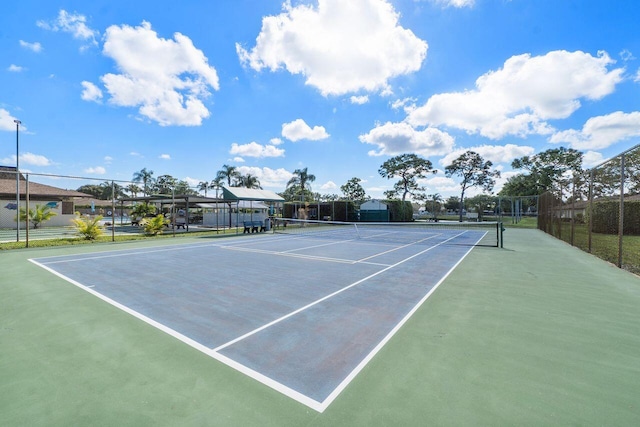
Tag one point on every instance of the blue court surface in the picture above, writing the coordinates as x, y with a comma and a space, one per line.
302, 315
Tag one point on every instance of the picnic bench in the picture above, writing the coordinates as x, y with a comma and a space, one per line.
253, 227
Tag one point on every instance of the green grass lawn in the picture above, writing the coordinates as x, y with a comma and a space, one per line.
604, 246
525, 222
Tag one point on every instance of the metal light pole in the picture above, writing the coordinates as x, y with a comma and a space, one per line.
17, 122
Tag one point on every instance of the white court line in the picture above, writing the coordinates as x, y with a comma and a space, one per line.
302, 256
336, 391
293, 394
146, 250
112, 255
395, 249
214, 353
141, 251
326, 297
337, 242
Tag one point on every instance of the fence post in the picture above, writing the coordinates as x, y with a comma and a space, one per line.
621, 219
113, 212
573, 210
591, 178
561, 207
26, 196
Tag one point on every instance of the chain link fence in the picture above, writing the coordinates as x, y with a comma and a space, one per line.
54, 201
598, 211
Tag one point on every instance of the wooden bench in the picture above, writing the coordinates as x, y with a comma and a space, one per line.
253, 227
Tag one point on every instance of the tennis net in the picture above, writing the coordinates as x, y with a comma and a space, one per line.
417, 232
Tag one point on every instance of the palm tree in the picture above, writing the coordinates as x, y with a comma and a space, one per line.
145, 177
300, 179
37, 216
203, 186
250, 181
216, 183
111, 190
133, 190
227, 173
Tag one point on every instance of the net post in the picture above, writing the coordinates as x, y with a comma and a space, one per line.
357, 231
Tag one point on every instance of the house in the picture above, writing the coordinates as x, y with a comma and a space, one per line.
62, 202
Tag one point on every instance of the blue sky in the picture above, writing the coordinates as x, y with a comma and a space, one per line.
108, 87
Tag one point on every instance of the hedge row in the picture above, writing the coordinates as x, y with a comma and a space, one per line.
347, 211
606, 217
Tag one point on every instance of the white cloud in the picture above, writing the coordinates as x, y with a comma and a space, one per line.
408, 104
238, 159
440, 184
72, 23
108, 159
90, 92
35, 47
98, 170
299, 129
167, 79
601, 131
164, 156
502, 180
253, 149
7, 121
193, 182
454, 3
626, 55
268, 177
15, 68
34, 159
276, 141
359, 100
339, 46
591, 159
397, 138
27, 159
494, 153
329, 185
519, 97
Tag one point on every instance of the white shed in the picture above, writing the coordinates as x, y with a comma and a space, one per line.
373, 205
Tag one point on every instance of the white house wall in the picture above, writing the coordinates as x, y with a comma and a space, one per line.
8, 216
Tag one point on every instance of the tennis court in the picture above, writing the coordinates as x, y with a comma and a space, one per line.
301, 312
537, 333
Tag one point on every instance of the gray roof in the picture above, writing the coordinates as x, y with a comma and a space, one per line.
36, 190
241, 193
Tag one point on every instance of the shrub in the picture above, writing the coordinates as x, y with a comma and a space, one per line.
89, 228
399, 211
38, 215
606, 215
154, 226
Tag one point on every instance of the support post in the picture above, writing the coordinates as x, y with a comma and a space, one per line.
621, 219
